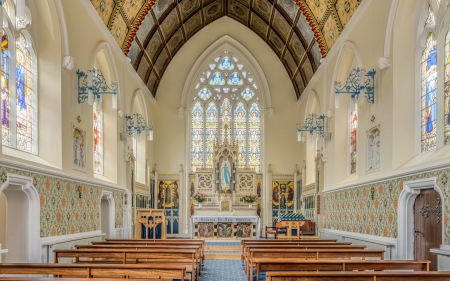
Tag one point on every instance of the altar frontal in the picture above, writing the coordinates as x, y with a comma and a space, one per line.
225, 227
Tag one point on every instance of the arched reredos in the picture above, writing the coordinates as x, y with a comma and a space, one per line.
347, 58
104, 47
138, 96
226, 43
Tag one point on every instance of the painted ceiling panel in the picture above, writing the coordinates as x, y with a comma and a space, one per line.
300, 32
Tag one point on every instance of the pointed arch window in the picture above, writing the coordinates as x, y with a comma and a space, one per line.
353, 138
428, 95
226, 109
5, 106
98, 137
447, 88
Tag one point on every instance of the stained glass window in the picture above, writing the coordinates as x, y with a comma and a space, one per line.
217, 79
204, 94
98, 137
447, 88
197, 135
235, 79
428, 95
225, 115
430, 18
226, 64
254, 136
240, 133
353, 136
211, 132
25, 94
6, 138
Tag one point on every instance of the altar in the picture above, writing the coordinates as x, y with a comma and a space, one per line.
225, 227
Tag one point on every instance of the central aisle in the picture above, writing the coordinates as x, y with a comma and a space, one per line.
223, 270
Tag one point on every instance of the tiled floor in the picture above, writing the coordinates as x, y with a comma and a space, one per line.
223, 270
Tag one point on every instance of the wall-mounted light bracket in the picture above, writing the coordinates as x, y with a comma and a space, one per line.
136, 124
313, 124
92, 85
358, 82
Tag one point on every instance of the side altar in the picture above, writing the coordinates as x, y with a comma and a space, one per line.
224, 182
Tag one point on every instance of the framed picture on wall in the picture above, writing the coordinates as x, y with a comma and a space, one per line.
78, 148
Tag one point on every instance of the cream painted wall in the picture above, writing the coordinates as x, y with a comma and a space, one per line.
171, 132
3, 220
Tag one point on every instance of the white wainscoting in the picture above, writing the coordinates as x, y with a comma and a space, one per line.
443, 257
370, 241
67, 242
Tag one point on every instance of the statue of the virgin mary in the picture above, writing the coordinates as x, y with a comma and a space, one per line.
225, 176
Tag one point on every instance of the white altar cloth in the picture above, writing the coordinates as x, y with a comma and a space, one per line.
233, 219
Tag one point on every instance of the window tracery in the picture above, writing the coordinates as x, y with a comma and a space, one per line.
353, 138
5, 106
226, 109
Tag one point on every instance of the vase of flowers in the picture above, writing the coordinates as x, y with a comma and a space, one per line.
250, 199
200, 198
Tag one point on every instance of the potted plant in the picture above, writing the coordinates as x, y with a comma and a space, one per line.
251, 198
200, 198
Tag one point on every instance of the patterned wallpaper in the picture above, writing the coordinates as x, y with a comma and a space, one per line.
372, 209
62, 210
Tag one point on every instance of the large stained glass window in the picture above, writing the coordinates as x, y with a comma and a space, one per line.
353, 137
212, 122
6, 137
25, 94
226, 109
197, 135
98, 138
447, 88
240, 133
254, 135
428, 95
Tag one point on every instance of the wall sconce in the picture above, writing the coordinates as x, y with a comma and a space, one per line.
353, 85
92, 85
313, 124
136, 124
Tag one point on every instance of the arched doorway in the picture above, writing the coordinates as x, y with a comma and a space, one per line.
22, 219
107, 214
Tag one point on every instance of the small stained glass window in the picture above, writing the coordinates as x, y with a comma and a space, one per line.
428, 95
353, 138
447, 88
247, 94
25, 94
235, 79
204, 94
98, 138
5, 107
197, 136
217, 79
226, 64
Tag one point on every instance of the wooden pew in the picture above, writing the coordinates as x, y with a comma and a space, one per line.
311, 254
123, 256
358, 276
199, 257
302, 246
337, 265
73, 279
97, 270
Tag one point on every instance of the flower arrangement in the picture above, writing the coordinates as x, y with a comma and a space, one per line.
250, 198
199, 197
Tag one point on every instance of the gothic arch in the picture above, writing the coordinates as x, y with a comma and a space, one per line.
107, 213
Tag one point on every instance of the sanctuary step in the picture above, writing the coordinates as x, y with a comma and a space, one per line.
223, 250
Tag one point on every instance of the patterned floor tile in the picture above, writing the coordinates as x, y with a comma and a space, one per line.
223, 270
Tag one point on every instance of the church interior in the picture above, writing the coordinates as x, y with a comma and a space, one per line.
225, 139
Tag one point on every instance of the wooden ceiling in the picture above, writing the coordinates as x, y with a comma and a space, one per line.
300, 32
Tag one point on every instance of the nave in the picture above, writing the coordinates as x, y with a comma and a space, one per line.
196, 260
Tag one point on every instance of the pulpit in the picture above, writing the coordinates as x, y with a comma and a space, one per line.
150, 224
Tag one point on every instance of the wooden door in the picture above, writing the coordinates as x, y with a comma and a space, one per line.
427, 226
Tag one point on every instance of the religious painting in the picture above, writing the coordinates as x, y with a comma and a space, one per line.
192, 204
224, 230
79, 148
282, 194
168, 194
205, 230
373, 149
244, 230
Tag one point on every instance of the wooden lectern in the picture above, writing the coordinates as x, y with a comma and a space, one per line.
150, 219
